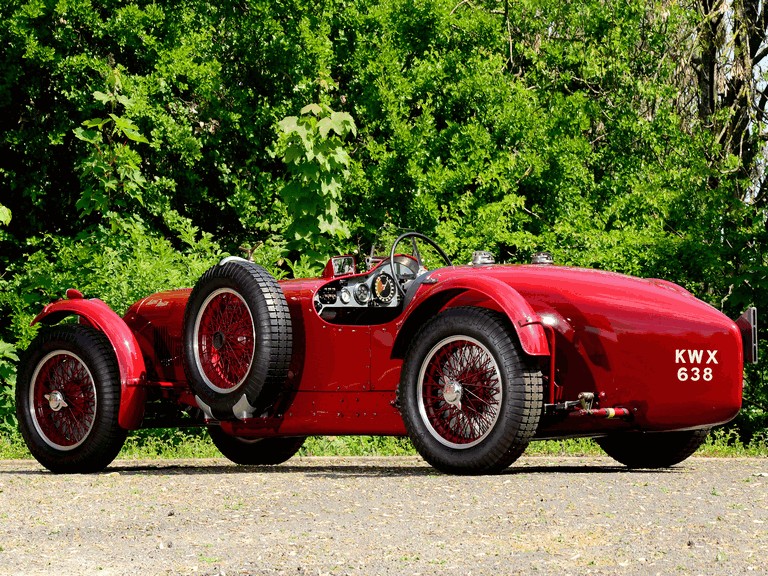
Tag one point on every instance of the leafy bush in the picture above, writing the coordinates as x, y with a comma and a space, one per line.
312, 147
8, 358
117, 265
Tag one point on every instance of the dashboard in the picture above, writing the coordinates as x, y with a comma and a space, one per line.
376, 290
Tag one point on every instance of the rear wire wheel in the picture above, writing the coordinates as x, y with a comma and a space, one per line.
237, 339
68, 399
255, 451
459, 392
652, 449
470, 400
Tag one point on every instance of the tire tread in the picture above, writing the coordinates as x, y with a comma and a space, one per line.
274, 335
524, 396
106, 438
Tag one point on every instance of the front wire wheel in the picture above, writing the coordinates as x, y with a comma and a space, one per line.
68, 399
470, 401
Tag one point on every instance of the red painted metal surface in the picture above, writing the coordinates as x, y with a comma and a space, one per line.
474, 285
646, 346
156, 322
649, 346
328, 413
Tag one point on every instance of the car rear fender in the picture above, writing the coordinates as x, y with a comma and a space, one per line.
478, 291
95, 313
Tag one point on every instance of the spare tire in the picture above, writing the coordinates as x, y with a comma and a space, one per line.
237, 339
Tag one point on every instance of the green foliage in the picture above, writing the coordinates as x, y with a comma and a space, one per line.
357, 446
8, 360
726, 442
168, 443
566, 447
311, 145
118, 266
111, 171
12, 446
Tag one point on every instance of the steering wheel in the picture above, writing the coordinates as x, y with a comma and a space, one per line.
400, 278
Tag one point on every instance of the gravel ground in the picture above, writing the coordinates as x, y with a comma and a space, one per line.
385, 516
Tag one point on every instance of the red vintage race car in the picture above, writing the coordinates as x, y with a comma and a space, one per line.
471, 362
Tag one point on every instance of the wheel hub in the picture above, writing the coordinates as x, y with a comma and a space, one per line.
218, 340
56, 400
452, 393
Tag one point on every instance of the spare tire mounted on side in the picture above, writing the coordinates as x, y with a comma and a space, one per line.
237, 339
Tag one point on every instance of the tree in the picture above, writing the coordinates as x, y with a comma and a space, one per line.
312, 147
8, 358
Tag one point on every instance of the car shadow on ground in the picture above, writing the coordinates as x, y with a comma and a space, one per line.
368, 469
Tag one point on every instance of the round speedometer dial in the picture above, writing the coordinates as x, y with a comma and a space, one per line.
362, 294
384, 288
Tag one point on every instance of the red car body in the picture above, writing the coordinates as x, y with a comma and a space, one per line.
614, 354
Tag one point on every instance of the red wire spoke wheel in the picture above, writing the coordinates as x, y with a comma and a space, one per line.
460, 392
224, 340
470, 399
238, 340
63, 400
68, 399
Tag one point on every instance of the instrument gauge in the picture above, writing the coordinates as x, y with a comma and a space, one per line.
327, 295
345, 296
384, 288
362, 294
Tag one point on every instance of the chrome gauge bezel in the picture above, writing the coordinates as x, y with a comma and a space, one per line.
379, 283
362, 294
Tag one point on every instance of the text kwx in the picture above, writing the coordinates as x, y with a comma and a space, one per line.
686, 356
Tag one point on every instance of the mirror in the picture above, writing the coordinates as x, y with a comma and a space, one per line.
340, 266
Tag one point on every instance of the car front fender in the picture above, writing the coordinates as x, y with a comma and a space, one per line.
95, 313
484, 292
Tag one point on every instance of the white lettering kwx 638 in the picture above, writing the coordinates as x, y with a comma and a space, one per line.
696, 359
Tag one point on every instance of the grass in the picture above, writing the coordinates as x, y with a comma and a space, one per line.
195, 443
726, 443
356, 446
169, 444
12, 447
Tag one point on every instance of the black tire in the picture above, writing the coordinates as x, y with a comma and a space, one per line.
255, 451
68, 400
486, 401
652, 449
237, 339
